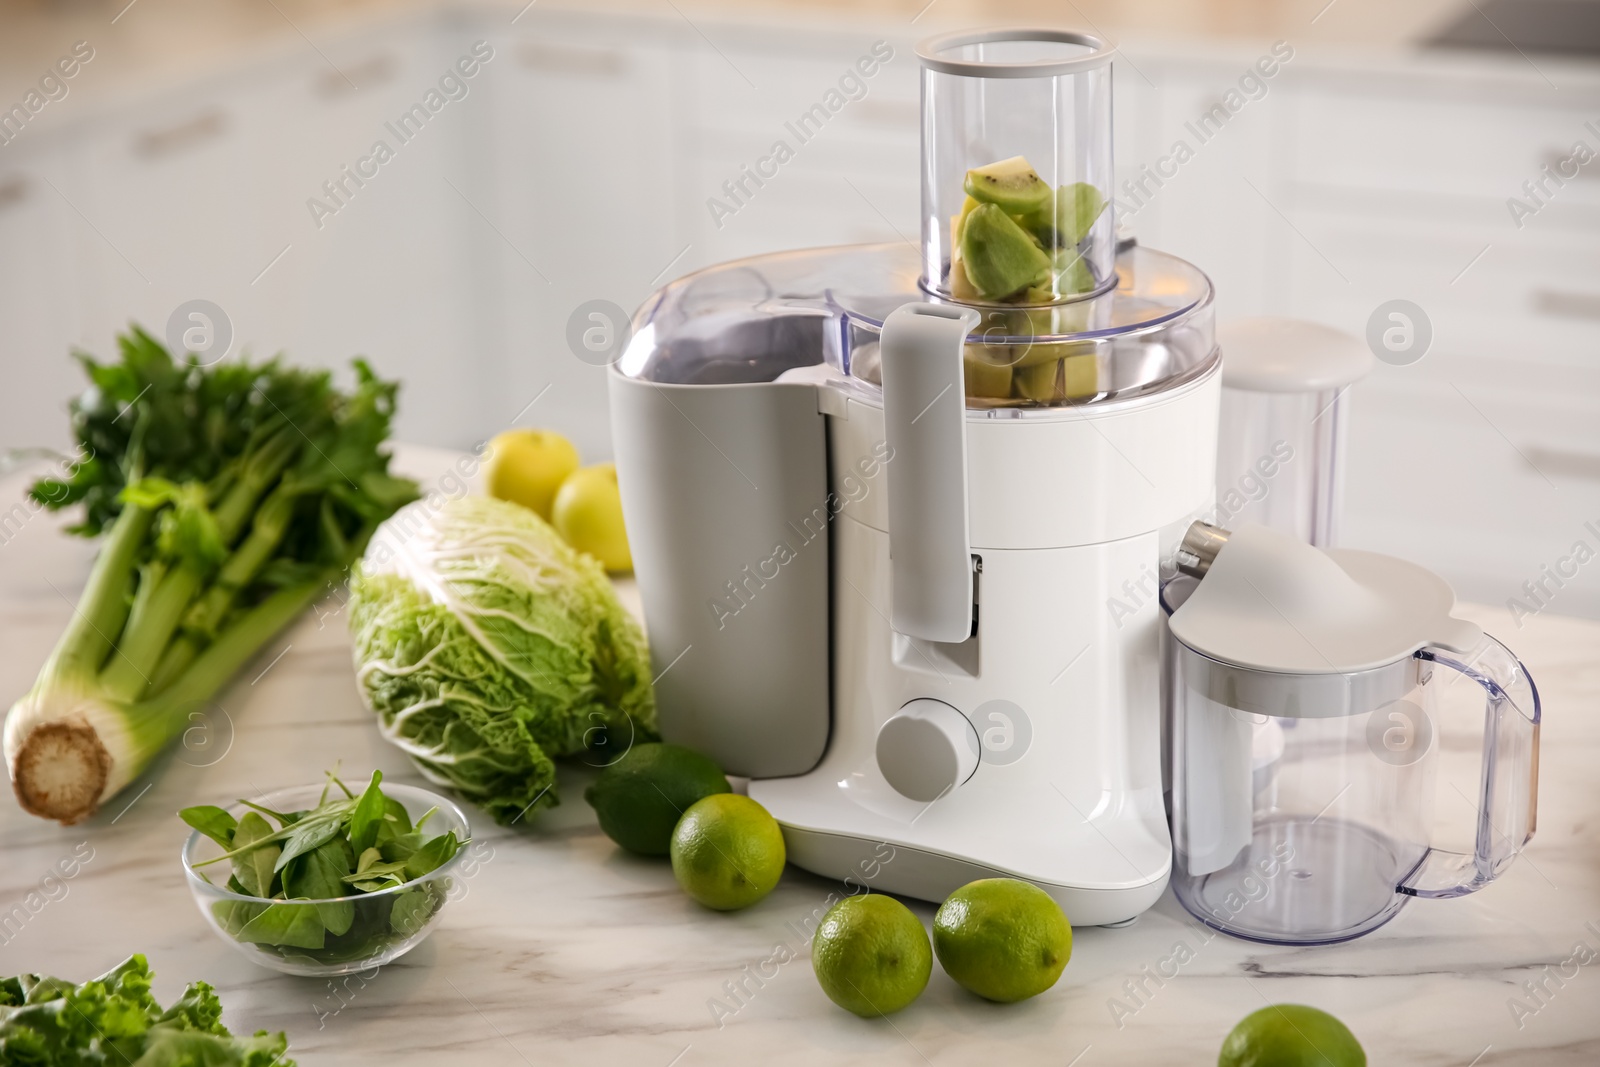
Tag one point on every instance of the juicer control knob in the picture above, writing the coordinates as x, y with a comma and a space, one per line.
927, 749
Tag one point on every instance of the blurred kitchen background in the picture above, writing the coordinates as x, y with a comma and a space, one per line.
185, 157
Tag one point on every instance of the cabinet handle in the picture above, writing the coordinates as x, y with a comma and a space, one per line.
1563, 461
1566, 304
332, 84
154, 144
13, 191
593, 62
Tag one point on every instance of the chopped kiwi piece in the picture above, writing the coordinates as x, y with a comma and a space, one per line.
1041, 382
1011, 184
1060, 379
1066, 215
1072, 273
1061, 319
999, 257
960, 285
1080, 376
985, 371
958, 221
1069, 275
1037, 352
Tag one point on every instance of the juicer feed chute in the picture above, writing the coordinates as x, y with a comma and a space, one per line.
1016, 166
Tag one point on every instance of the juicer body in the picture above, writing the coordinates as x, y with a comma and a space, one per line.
898, 519
1060, 685
759, 516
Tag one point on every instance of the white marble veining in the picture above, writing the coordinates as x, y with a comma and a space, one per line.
567, 951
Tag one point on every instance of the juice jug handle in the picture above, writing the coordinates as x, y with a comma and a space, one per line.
1508, 786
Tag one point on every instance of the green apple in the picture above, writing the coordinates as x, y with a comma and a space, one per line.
527, 467
588, 516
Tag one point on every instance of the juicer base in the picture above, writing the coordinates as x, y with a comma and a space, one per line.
914, 872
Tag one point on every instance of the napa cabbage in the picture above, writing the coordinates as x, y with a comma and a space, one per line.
487, 647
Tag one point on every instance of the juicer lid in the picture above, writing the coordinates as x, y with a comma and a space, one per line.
1270, 602
752, 320
1277, 355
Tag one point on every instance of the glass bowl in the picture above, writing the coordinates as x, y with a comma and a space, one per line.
385, 925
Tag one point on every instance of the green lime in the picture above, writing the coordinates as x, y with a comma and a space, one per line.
727, 852
1003, 939
641, 797
1291, 1035
871, 955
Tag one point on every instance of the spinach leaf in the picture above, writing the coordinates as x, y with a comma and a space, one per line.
397, 848
367, 815
319, 875
433, 854
320, 878
310, 832
295, 925
233, 915
395, 812
284, 818
412, 909
255, 869
211, 821
373, 874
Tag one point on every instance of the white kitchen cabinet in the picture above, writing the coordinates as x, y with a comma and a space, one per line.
392, 274
1136, 133
1445, 140
1483, 458
813, 201
202, 193
576, 194
854, 178
579, 165
1217, 210
41, 312
169, 193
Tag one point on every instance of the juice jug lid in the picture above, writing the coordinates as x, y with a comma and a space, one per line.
1273, 603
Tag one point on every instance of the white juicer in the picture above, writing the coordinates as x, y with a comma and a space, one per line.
897, 514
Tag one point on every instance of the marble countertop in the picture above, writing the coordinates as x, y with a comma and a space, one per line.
567, 951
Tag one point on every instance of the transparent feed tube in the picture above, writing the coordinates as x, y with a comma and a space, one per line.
1017, 167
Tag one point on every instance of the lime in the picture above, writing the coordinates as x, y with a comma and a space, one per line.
641, 797
1291, 1035
727, 852
871, 955
1003, 939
